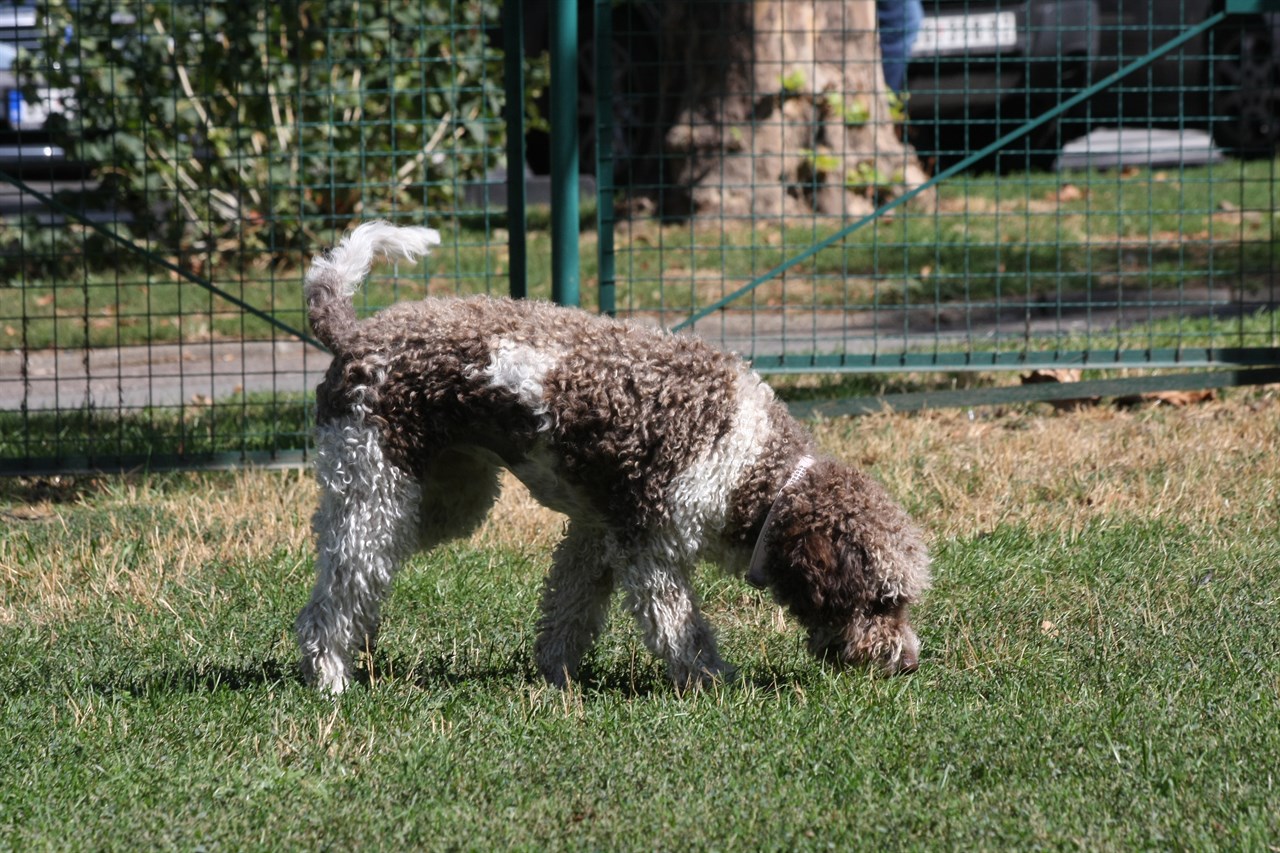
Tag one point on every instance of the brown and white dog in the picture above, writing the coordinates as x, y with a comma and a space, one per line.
660, 449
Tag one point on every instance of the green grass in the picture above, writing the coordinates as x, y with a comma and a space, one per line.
1032, 235
1099, 669
240, 424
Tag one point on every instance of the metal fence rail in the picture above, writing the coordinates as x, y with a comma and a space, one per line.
1084, 183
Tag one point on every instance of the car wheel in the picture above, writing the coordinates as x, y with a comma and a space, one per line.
1246, 89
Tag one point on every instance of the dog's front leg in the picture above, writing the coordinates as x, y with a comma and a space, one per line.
575, 601
366, 526
662, 600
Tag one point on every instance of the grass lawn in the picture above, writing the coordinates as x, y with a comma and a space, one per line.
1099, 667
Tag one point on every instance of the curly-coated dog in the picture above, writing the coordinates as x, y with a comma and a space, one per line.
660, 449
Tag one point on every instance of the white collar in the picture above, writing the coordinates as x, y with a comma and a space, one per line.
755, 574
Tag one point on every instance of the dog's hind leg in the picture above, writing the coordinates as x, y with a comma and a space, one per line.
662, 600
366, 526
575, 601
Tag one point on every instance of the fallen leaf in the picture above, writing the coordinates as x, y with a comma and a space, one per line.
1169, 398
1070, 192
1063, 375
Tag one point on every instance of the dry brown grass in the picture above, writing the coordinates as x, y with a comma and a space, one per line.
74, 544
964, 474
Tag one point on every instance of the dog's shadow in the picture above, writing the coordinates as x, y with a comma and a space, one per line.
624, 679
203, 678
626, 682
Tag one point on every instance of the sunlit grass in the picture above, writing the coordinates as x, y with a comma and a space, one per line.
1098, 666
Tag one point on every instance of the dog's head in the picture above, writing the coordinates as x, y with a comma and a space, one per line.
847, 562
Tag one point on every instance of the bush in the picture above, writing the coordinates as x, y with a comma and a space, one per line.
257, 124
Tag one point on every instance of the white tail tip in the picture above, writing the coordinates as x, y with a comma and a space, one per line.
350, 261
408, 242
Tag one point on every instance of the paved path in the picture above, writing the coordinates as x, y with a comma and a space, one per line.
173, 374
157, 375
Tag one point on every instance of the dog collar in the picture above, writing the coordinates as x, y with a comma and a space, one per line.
755, 574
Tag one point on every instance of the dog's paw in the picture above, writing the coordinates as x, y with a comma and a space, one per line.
702, 676
558, 675
326, 674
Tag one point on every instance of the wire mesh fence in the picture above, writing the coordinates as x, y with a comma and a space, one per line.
851, 186
169, 168
820, 185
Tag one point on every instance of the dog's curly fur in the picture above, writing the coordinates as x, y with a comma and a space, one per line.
660, 449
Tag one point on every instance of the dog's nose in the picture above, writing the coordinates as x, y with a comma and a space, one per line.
909, 662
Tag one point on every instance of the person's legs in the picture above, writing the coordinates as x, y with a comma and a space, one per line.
899, 22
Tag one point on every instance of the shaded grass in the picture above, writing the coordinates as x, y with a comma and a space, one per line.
1098, 667
239, 424
1036, 236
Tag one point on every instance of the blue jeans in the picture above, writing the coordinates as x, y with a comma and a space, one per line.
898, 22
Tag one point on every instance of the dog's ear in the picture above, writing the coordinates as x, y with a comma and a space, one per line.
800, 568
805, 552
817, 555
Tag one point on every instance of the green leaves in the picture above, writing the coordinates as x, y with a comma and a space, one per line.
221, 108
793, 82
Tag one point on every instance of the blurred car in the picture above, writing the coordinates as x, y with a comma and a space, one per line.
25, 147
1226, 81
981, 69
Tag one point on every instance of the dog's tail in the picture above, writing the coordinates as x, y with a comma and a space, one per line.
335, 276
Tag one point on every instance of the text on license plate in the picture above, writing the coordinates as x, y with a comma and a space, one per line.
960, 33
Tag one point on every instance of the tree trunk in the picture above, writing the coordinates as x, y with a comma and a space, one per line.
784, 109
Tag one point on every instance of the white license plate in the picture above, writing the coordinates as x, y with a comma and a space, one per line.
29, 115
984, 33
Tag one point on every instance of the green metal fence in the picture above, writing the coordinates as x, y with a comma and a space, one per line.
168, 168
746, 173
782, 215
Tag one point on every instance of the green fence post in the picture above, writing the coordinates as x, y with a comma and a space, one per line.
517, 223
604, 156
564, 152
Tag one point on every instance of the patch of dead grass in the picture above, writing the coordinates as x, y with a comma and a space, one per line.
964, 474
961, 474
54, 563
